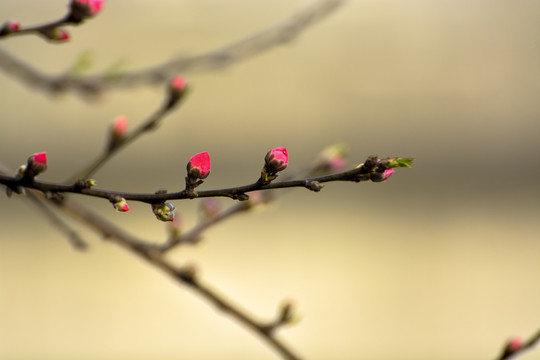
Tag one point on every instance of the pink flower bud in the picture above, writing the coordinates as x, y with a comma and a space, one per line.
61, 35
199, 166
95, 5
9, 27
120, 126
87, 7
515, 344
381, 176
276, 160
388, 172
178, 83
14, 26
36, 163
331, 159
117, 132
177, 89
39, 158
121, 205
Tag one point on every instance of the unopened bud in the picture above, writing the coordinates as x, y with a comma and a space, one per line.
511, 347
9, 27
120, 204
83, 9
36, 164
515, 344
381, 176
331, 159
85, 183
288, 314
177, 89
55, 34
164, 211
275, 160
117, 131
198, 168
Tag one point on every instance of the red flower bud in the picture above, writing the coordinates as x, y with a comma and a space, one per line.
178, 83
199, 166
117, 132
515, 344
178, 88
36, 163
388, 172
121, 205
60, 35
95, 5
13, 26
82, 9
378, 177
9, 27
120, 125
39, 158
276, 160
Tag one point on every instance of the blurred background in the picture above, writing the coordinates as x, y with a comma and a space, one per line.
439, 262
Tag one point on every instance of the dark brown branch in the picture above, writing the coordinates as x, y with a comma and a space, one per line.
194, 235
372, 169
73, 236
184, 276
227, 55
77, 13
515, 348
150, 124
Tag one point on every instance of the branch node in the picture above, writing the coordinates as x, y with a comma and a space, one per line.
240, 197
313, 185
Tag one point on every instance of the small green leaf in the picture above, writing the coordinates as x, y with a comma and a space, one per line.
116, 69
83, 63
401, 162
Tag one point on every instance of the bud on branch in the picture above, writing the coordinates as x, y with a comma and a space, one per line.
275, 160
198, 168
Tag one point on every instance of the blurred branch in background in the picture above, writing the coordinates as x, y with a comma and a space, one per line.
227, 55
516, 347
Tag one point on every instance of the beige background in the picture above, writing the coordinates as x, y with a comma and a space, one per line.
440, 262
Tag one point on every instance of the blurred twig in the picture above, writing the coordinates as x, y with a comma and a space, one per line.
227, 55
113, 147
183, 275
515, 347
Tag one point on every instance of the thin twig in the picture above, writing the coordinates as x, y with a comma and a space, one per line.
361, 173
512, 349
227, 55
73, 236
182, 276
150, 124
194, 235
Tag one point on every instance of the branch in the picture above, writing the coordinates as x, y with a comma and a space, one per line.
78, 12
373, 169
176, 93
227, 55
515, 347
186, 276
194, 235
73, 237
